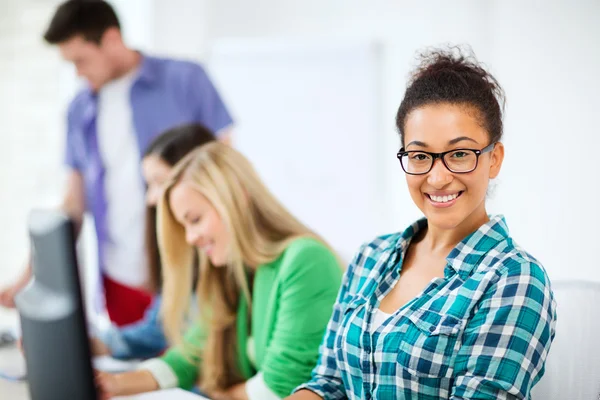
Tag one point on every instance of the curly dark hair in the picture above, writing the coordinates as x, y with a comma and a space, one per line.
453, 75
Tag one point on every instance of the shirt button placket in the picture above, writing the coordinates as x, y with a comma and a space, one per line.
367, 365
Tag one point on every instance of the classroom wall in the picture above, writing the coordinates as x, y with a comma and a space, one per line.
180, 28
548, 56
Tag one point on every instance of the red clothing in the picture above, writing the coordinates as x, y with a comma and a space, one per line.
125, 304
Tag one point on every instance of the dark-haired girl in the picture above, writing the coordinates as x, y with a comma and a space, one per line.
146, 338
451, 307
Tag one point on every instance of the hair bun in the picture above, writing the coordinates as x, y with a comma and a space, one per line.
453, 75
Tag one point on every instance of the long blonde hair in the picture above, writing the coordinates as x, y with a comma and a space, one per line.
260, 229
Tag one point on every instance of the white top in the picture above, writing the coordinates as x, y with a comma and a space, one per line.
378, 320
256, 387
124, 256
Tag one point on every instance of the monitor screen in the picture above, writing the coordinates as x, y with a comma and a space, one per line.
53, 323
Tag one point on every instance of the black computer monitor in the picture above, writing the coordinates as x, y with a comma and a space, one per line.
53, 323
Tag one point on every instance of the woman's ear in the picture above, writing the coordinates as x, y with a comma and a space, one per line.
497, 157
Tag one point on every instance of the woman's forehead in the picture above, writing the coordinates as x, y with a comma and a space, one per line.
443, 125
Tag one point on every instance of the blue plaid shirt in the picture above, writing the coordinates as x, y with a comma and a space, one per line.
481, 332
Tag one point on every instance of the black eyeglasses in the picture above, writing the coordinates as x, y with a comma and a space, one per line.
458, 161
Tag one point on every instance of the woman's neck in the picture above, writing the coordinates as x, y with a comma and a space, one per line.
441, 240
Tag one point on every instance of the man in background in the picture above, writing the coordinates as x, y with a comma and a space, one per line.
130, 98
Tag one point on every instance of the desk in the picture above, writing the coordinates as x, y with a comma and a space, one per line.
9, 357
13, 390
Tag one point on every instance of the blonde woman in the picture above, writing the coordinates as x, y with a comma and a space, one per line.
267, 286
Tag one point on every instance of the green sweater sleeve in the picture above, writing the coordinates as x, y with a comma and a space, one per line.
310, 280
185, 358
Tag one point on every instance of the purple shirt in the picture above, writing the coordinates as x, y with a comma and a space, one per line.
166, 93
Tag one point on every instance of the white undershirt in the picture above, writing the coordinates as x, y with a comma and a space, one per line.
124, 256
378, 320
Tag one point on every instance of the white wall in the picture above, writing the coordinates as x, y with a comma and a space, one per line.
137, 22
180, 28
548, 56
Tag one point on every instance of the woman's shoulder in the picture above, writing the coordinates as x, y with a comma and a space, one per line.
514, 260
370, 261
384, 246
305, 244
305, 254
492, 256
370, 254
512, 278
508, 267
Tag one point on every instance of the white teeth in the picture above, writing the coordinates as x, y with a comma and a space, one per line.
443, 199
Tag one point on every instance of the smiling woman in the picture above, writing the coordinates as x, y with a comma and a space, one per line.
451, 307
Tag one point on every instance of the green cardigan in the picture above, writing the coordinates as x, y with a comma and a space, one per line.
292, 302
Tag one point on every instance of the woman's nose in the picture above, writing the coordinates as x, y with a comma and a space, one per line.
192, 237
439, 176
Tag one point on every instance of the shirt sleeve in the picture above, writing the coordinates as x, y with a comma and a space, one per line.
257, 389
162, 373
506, 342
203, 96
74, 142
143, 339
185, 359
310, 280
326, 377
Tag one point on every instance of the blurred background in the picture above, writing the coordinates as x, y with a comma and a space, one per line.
314, 86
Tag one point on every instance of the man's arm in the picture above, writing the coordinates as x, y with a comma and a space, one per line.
74, 206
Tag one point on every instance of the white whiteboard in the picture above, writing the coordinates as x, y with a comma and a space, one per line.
306, 115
